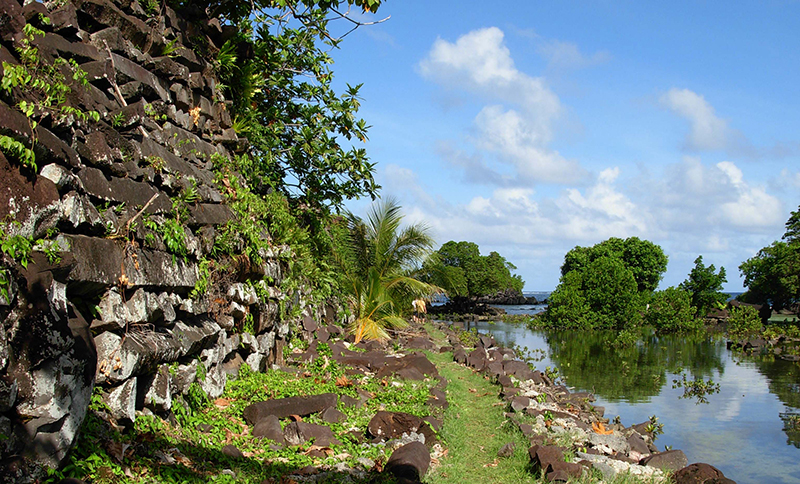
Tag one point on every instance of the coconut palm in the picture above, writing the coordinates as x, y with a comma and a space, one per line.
378, 261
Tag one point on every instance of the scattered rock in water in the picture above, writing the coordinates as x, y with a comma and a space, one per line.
700, 474
670, 460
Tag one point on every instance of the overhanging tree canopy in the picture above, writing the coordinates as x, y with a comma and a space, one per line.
277, 71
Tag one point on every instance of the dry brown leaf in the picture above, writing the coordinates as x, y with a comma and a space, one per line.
493, 464
296, 418
222, 402
314, 448
472, 390
601, 429
343, 381
117, 450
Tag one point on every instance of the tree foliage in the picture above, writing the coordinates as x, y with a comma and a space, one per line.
378, 260
705, 287
277, 71
646, 260
671, 311
460, 269
744, 323
606, 285
773, 275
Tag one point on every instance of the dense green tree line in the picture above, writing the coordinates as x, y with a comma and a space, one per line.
773, 275
612, 285
460, 268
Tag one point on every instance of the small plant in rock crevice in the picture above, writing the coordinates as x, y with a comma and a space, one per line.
45, 87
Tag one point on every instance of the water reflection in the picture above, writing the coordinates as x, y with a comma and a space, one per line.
635, 373
783, 379
743, 431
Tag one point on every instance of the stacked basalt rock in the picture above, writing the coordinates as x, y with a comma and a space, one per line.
162, 119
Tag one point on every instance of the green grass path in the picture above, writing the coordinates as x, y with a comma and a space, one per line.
474, 429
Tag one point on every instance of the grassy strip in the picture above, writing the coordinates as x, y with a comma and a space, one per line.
474, 430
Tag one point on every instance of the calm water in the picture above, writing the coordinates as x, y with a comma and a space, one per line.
739, 431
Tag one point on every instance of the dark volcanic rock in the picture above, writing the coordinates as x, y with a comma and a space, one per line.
544, 457
670, 460
331, 415
392, 425
232, 451
700, 474
410, 461
413, 367
519, 369
506, 450
520, 403
284, 407
420, 343
297, 433
269, 427
478, 359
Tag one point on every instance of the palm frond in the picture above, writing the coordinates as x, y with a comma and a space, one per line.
377, 260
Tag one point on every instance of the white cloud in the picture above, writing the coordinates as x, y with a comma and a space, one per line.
707, 130
523, 145
480, 62
692, 197
517, 130
567, 55
789, 178
689, 208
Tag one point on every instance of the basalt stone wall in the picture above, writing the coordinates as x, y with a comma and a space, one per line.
115, 311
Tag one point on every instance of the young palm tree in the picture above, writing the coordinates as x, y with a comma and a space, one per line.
378, 260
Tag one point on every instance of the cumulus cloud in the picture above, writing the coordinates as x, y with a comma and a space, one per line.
523, 145
707, 131
517, 126
691, 197
689, 208
566, 55
480, 62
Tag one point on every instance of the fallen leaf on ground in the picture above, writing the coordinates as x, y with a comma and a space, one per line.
601, 429
493, 464
222, 402
343, 381
296, 418
327, 450
472, 390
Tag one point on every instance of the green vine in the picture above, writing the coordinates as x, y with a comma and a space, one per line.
45, 87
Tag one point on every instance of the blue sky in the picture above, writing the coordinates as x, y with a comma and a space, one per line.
533, 127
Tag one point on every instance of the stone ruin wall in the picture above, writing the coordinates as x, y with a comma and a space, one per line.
145, 342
